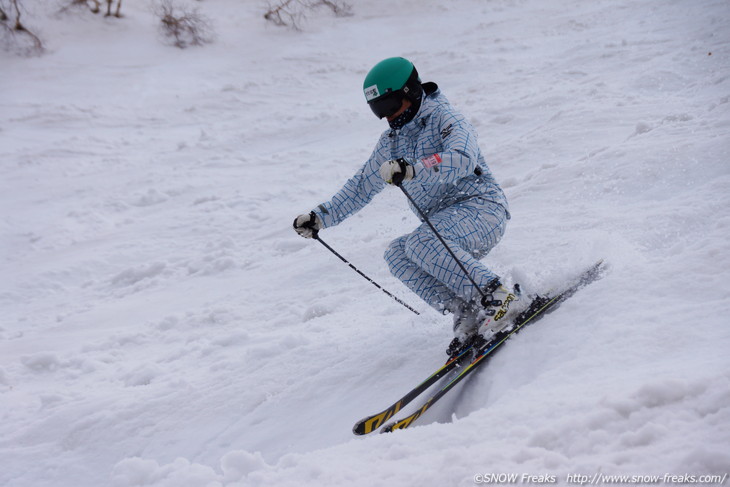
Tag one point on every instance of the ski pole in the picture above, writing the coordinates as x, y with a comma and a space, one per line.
317, 238
441, 239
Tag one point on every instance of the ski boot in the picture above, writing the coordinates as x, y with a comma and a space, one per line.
476, 323
466, 321
501, 306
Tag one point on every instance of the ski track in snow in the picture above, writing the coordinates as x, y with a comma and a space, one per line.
164, 326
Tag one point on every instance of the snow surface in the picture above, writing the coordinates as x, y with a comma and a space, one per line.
163, 325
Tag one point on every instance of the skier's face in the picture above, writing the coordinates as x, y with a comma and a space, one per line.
404, 106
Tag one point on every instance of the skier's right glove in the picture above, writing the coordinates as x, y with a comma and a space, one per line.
308, 224
396, 171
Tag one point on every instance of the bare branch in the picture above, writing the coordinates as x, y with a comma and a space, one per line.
36, 45
95, 6
290, 13
185, 27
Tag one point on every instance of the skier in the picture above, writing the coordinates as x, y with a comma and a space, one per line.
431, 150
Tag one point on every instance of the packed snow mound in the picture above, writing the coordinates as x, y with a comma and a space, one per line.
164, 326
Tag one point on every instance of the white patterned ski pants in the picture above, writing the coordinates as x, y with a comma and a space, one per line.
471, 229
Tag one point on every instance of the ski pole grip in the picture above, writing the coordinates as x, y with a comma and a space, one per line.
310, 224
400, 175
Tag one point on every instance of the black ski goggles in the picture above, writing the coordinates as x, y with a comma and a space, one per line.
387, 105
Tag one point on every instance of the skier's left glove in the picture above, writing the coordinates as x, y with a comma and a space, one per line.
396, 171
308, 225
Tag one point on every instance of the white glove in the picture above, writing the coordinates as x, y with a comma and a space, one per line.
308, 224
396, 171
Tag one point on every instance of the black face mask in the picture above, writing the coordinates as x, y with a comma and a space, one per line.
405, 117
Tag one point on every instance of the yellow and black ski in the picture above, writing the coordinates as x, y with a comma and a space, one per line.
537, 309
371, 423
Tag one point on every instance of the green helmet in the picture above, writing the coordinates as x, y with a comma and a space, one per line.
388, 83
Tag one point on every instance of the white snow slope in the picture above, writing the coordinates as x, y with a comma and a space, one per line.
163, 325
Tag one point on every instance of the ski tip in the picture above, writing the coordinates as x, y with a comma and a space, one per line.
601, 265
361, 427
597, 271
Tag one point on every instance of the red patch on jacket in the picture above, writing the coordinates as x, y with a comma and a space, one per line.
430, 161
